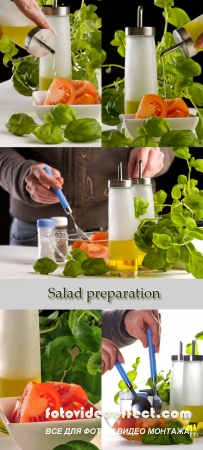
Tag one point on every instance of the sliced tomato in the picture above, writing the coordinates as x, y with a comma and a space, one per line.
95, 250
100, 236
151, 105
84, 87
76, 244
74, 406
69, 392
15, 418
85, 99
60, 91
176, 107
98, 99
124, 423
36, 399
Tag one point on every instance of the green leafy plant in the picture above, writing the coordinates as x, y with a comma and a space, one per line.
71, 349
60, 124
163, 385
168, 238
198, 337
76, 445
175, 435
86, 52
132, 375
179, 82
78, 263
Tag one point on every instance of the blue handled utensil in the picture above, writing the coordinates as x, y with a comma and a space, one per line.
152, 359
138, 403
66, 206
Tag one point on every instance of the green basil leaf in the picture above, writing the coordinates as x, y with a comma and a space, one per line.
155, 260
164, 3
194, 202
198, 165
20, 124
94, 266
182, 153
199, 127
113, 138
49, 134
94, 363
63, 114
140, 206
9, 49
189, 349
182, 179
156, 126
85, 337
199, 336
177, 17
176, 192
196, 233
196, 92
79, 255
173, 254
195, 265
141, 243
176, 138
45, 266
162, 240
72, 269
83, 130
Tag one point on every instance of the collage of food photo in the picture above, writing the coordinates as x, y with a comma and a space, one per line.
101, 230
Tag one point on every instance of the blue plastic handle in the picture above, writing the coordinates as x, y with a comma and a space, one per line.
58, 192
122, 372
152, 358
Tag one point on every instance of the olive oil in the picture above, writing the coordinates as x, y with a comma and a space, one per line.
131, 106
17, 34
194, 29
123, 258
13, 387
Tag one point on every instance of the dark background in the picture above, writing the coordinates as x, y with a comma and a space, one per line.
117, 18
165, 182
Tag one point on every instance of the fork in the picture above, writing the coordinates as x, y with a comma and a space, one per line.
65, 205
156, 403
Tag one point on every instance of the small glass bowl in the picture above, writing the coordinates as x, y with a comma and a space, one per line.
95, 248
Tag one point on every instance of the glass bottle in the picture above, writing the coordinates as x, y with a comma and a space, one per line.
61, 238
19, 351
140, 64
59, 64
45, 228
176, 383
122, 249
23, 32
192, 391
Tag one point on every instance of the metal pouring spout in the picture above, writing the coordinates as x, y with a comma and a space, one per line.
171, 49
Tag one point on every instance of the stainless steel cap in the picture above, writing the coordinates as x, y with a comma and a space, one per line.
33, 44
119, 183
181, 35
177, 357
140, 31
49, 10
193, 358
141, 181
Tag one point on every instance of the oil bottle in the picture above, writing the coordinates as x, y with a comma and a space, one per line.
189, 38
122, 249
19, 351
23, 32
59, 64
140, 64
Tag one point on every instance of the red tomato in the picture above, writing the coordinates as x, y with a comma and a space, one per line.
124, 423
74, 406
176, 107
76, 244
98, 99
151, 105
36, 399
95, 250
15, 418
85, 99
84, 87
100, 236
60, 91
69, 392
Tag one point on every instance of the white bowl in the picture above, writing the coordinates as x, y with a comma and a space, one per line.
131, 124
82, 111
33, 435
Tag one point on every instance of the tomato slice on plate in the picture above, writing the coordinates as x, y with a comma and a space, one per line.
60, 91
69, 392
95, 250
85, 99
84, 87
100, 236
36, 399
151, 105
176, 107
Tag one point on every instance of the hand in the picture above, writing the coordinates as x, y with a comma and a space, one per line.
110, 354
39, 184
136, 323
152, 161
199, 42
31, 9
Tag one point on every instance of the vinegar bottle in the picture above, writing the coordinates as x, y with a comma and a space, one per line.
23, 32
19, 351
140, 64
59, 64
122, 249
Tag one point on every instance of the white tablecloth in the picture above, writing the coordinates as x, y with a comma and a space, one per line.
13, 103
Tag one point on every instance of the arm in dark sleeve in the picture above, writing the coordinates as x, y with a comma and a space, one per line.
13, 170
113, 327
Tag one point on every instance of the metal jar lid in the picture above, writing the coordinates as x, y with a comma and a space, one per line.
139, 30
39, 42
55, 10
182, 36
119, 183
141, 181
193, 358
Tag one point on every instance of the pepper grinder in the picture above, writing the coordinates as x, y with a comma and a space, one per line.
140, 64
58, 65
188, 38
122, 249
